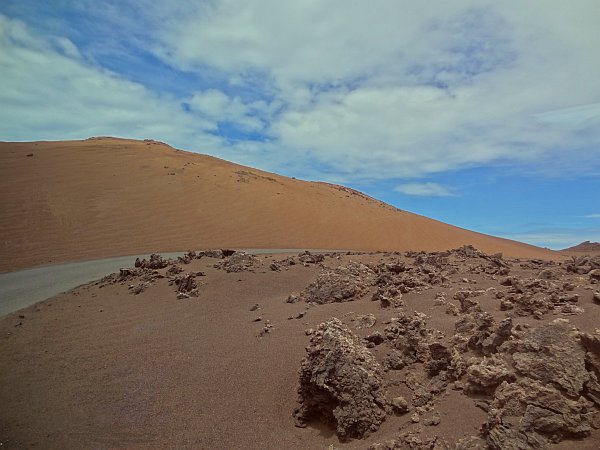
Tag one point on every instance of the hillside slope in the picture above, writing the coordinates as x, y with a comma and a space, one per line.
75, 200
584, 247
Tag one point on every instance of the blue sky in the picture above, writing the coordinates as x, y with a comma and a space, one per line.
478, 113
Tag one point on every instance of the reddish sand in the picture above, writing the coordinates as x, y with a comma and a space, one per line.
99, 367
78, 200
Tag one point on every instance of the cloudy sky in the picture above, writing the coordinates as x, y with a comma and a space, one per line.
480, 113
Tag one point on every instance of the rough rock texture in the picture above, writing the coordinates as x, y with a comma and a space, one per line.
186, 285
156, 262
542, 414
478, 331
309, 258
237, 262
342, 284
583, 264
543, 401
536, 296
486, 374
365, 321
552, 355
341, 383
409, 336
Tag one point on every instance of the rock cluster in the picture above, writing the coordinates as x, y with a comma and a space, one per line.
342, 284
155, 262
583, 265
307, 257
186, 285
540, 388
237, 262
537, 296
276, 266
341, 383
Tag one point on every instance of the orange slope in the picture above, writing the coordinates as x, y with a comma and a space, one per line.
103, 197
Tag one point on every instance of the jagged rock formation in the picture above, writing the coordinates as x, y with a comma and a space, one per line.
155, 262
342, 284
341, 383
582, 265
186, 285
310, 258
237, 262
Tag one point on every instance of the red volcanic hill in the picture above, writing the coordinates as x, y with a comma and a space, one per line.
584, 247
77, 200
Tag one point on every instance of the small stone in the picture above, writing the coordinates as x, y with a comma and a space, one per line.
452, 309
505, 305
597, 297
400, 405
309, 331
255, 307
365, 321
293, 299
258, 319
415, 418
433, 420
537, 314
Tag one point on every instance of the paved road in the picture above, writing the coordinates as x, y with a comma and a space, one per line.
26, 287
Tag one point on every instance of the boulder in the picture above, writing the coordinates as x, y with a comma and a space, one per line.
341, 383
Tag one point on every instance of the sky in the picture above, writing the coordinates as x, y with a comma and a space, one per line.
482, 114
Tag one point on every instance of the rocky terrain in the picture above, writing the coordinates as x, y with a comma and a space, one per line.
222, 349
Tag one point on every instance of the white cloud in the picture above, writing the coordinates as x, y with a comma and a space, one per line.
219, 107
398, 89
578, 117
47, 92
427, 189
343, 88
592, 216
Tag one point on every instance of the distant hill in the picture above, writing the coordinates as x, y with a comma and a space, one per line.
100, 197
584, 247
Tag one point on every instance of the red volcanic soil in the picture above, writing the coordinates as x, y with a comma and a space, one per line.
205, 352
101, 197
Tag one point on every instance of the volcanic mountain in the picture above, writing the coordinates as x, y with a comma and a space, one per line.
101, 197
584, 247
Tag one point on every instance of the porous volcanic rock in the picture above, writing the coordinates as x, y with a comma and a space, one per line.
342, 284
484, 375
410, 337
237, 262
307, 257
478, 331
530, 414
551, 354
341, 383
582, 265
186, 285
155, 262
